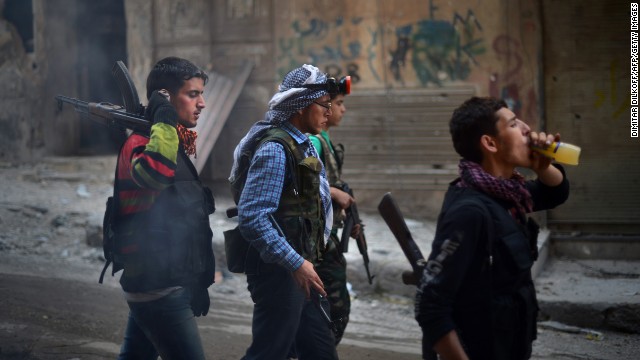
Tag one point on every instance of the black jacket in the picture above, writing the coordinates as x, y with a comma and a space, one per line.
171, 242
483, 289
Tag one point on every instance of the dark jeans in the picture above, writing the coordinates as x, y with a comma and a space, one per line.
164, 327
283, 319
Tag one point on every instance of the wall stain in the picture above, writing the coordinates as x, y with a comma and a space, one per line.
620, 104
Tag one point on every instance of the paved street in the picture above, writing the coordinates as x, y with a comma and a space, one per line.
53, 310
51, 306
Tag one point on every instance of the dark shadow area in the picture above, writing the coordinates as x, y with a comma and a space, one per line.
101, 32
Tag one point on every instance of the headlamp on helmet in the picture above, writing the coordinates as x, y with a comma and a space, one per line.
333, 87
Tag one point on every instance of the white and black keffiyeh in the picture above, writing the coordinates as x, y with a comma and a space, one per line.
291, 97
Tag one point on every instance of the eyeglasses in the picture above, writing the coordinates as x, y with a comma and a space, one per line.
325, 105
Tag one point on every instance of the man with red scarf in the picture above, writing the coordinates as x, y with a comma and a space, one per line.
163, 237
476, 298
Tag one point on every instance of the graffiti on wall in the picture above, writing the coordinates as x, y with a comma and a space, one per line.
618, 101
439, 50
510, 84
430, 50
327, 43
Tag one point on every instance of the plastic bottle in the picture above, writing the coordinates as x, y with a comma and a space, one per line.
561, 152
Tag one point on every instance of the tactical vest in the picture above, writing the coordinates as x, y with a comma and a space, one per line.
333, 167
332, 161
170, 244
300, 213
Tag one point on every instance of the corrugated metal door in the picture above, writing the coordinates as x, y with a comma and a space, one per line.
587, 85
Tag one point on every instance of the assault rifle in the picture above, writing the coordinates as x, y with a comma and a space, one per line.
393, 217
350, 221
129, 116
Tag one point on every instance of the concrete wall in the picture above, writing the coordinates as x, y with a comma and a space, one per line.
20, 137
417, 60
587, 97
411, 61
494, 45
32, 124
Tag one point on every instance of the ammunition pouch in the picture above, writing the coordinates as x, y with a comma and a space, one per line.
241, 256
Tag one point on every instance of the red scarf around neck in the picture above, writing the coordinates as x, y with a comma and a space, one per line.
187, 139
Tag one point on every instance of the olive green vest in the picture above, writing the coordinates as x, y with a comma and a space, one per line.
332, 162
300, 213
333, 167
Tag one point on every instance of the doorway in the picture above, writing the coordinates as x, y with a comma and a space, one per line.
102, 40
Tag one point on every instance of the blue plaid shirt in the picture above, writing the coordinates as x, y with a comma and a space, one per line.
261, 196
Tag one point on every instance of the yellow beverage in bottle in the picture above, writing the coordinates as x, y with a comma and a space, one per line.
561, 152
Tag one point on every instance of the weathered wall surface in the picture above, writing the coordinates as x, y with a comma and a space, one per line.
561, 65
216, 35
242, 30
587, 96
32, 125
494, 46
19, 137
412, 63
140, 44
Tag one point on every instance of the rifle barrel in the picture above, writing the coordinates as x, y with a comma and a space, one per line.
361, 241
107, 114
79, 105
353, 219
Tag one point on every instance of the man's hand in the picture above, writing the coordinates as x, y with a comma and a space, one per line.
200, 301
160, 109
307, 278
355, 231
547, 174
341, 198
449, 347
541, 140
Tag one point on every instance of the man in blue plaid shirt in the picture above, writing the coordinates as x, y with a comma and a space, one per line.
285, 214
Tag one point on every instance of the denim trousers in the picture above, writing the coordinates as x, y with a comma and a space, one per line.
285, 322
164, 327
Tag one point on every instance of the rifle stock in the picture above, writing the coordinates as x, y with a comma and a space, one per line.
353, 218
391, 214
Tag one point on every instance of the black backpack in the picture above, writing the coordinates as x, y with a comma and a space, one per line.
109, 233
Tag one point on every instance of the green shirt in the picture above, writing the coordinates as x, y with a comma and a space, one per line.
316, 143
